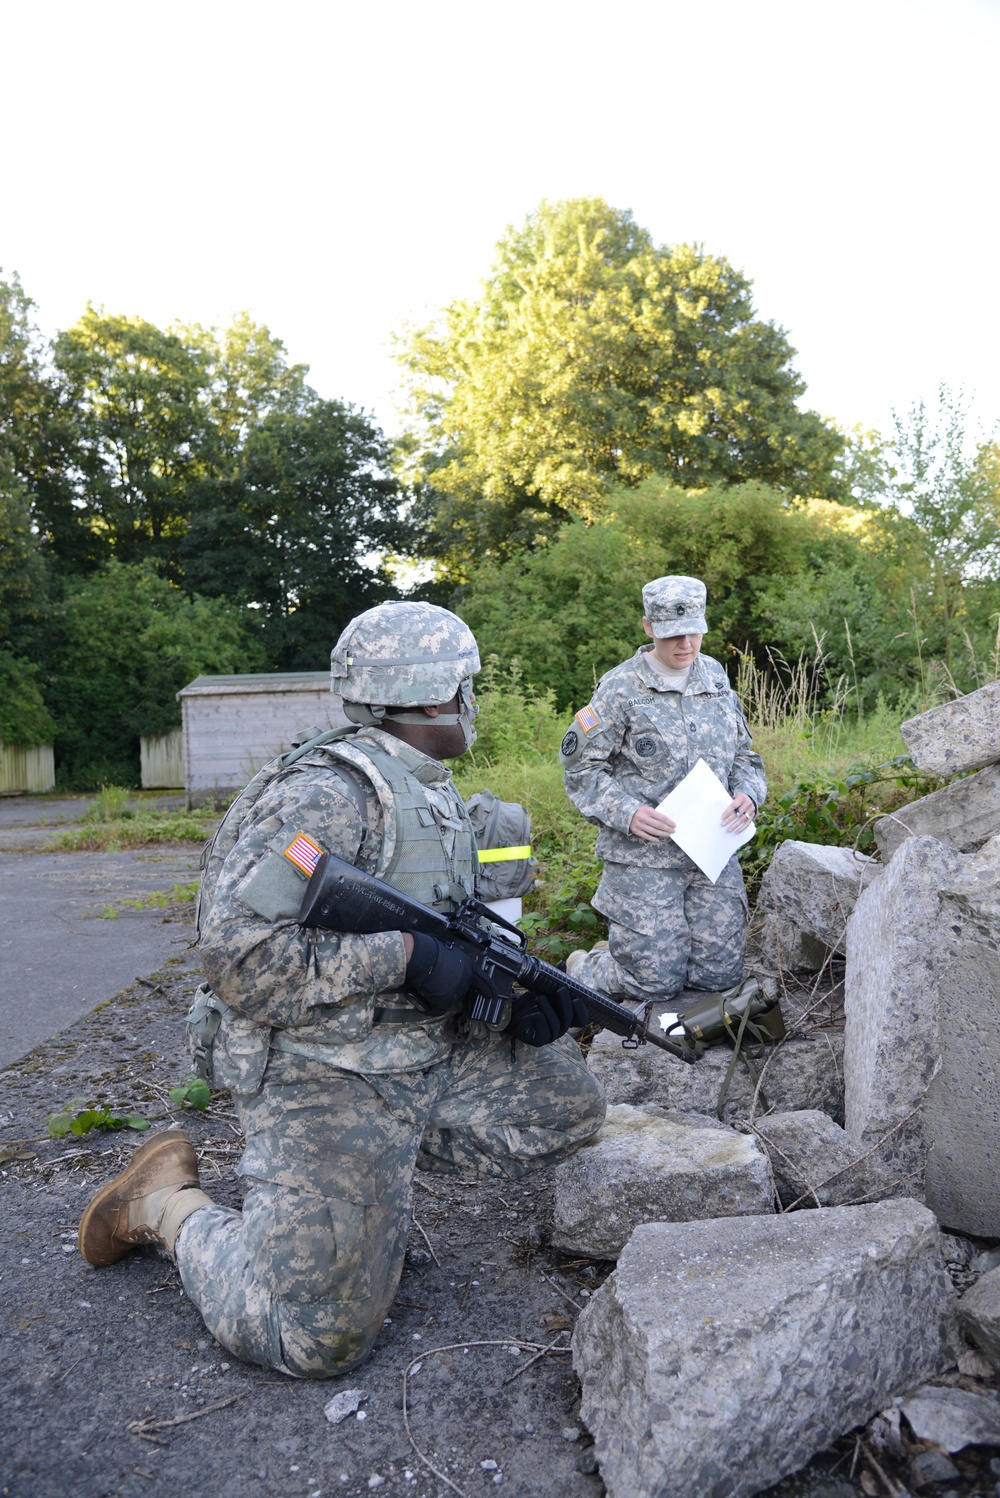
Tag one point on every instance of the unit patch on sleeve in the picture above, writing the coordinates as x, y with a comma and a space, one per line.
568, 745
587, 719
304, 854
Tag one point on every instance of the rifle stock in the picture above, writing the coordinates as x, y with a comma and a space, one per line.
340, 897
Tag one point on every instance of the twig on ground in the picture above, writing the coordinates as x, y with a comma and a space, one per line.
433, 1352
430, 1246
525, 1366
151, 1426
430, 1191
567, 1298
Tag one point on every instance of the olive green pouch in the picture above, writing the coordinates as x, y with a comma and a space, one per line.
748, 1014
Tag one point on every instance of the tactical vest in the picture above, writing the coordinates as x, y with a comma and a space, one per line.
413, 857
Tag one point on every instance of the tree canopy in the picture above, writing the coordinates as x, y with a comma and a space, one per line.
596, 358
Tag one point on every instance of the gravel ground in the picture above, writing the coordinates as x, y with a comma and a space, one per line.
110, 1384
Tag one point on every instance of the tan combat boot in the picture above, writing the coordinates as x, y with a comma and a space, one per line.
155, 1193
575, 958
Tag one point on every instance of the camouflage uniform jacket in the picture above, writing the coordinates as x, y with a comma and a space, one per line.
315, 992
638, 738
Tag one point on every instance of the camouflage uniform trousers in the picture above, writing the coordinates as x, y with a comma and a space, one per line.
668, 929
301, 1280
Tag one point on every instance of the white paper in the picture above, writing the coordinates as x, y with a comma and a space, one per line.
696, 805
667, 1021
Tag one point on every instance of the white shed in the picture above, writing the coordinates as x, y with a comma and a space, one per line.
234, 724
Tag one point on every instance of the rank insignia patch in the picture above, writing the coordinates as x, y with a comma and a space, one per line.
587, 719
304, 854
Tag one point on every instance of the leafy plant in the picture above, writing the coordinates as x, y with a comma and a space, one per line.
79, 1119
110, 804
835, 808
192, 1093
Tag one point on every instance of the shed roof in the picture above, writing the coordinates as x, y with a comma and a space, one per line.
259, 681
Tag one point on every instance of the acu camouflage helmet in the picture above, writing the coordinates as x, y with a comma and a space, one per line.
405, 654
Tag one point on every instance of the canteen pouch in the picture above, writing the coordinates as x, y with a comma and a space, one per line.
718, 1016
749, 1014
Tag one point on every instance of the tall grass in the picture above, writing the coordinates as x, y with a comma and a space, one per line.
832, 767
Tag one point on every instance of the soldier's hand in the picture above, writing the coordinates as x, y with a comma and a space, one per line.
651, 825
538, 1019
438, 976
739, 813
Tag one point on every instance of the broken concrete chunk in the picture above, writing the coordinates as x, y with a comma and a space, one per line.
979, 1313
802, 1074
722, 1355
816, 887
963, 816
953, 1418
784, 948
922, 1037
960, 735
648, 1165
816, 1163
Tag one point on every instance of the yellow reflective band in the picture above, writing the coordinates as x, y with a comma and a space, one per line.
504, 855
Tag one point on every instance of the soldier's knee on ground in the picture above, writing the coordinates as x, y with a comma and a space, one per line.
298, 1282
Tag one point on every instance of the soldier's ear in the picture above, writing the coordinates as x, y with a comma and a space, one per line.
648, 627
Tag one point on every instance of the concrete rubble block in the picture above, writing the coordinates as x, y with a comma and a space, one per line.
721, 1355
960, 735
816, 887
979, 1313
804, 1073
953, 1418
922, 1034
784, 948
963, 816
650, 1165
807, 1149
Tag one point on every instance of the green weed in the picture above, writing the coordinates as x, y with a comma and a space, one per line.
79, 1119
192, 1093
137, 830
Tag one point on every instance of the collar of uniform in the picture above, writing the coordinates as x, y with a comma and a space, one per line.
699, 680
427, 770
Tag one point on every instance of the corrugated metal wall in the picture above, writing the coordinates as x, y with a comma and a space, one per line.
162, 758
24, 770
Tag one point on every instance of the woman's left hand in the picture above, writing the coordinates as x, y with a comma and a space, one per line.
739, 813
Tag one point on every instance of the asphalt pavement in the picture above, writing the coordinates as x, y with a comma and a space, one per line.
68, 940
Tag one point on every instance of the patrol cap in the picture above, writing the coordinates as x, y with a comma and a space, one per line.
675, 606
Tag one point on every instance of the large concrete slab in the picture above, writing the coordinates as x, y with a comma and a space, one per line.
963, 815
649, 1165
816, 887
721, 1355
960, 735
60, 956
922, 1039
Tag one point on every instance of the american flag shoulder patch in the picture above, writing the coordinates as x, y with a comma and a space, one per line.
587, 719
304, 854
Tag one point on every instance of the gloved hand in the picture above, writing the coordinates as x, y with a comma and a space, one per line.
438, 976
539, 1019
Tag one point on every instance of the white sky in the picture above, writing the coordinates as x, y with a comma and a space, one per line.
340, 168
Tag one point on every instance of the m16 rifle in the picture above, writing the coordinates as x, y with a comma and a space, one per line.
342, 898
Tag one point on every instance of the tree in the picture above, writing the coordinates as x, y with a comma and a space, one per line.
139, 398
593, 358
571, 609
128, 641
294, 532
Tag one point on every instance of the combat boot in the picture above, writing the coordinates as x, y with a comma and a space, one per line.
575, 958
155, 1193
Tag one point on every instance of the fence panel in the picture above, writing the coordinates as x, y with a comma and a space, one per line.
162, 759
